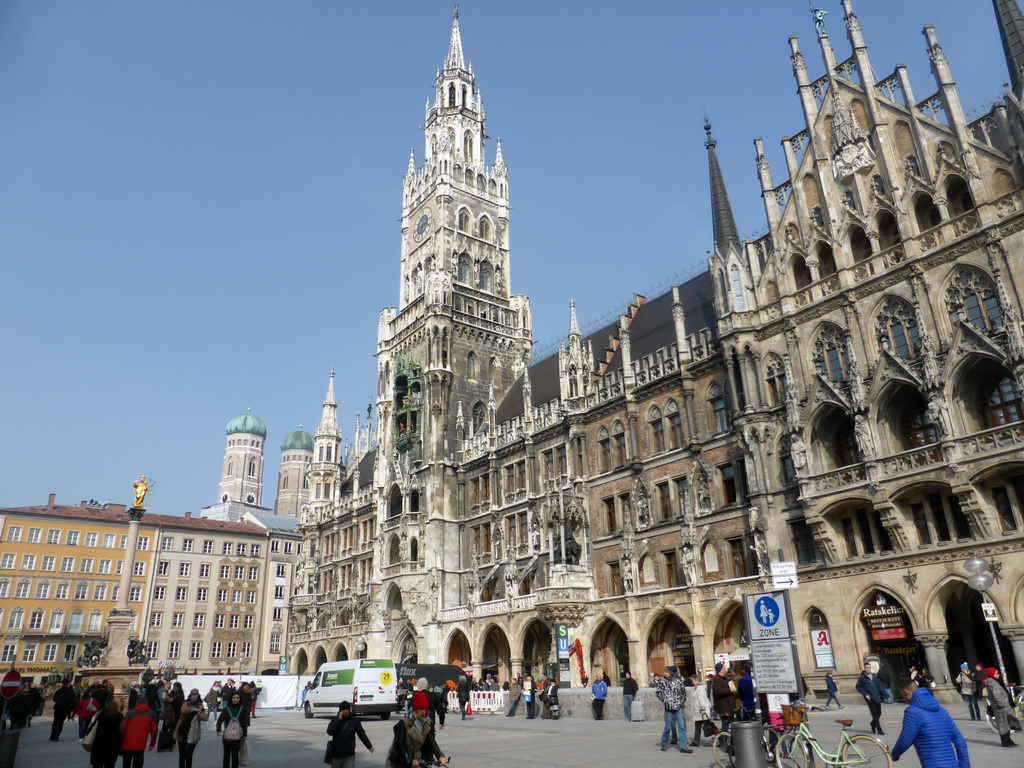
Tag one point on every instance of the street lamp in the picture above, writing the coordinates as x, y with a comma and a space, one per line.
981, 579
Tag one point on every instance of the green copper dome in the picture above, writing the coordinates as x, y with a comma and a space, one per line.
247, 424
297, 441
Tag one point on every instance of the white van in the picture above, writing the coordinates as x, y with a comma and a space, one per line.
369, 684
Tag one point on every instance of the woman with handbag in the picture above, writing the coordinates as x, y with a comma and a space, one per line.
697, 709
106, 736
188, 730
1002, 707
234, 723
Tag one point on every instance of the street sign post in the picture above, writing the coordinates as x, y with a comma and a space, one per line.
772, 643
784, 575
562, 644
784, 568
11, 683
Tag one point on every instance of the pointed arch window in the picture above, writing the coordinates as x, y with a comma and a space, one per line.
230, 467
737, 290
604, 450
888, 230
467, 146
896, 327
860, 244
486, 277
485, 228
845, 450
719, 413
252, 468
675, 424
801, 272
970, 297
1000, 403
926, 212
619, 443
657, 430
464, 220
451, 96
775, 377
464, 268
916, 426
478, 417
831, 354
471, 365
958, 196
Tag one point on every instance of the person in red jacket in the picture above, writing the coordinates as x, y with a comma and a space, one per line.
138, 726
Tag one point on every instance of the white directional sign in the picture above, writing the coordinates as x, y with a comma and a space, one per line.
785, 582
784, 568
766, 617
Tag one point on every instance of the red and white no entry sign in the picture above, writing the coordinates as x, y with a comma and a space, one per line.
11, 683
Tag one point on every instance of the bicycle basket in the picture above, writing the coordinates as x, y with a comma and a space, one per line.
793, 715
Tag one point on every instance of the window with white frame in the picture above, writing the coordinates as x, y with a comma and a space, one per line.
105, 566
246, 651
10, 649
16, 620
28, 653
35, 619
278, 614
236, 596
48, 563
7, 560
91, 540
21, 591
77, 619
99, 592
178, 620
187, 545
173, 649
56, 621
239, 571
162, 567
195, 650
204, 570
124, 541
35, 535
160, 593
49, 652
142, 544
226, 548
215, 651
139, 568
72, 538
184, 569
233, 621
199, 620
275, 642
249, 621
5, 588
275, 546
62, 591
53, 536
222, 595
241, 550
135, 593
95, 621
166, 543
28, 562
85, 565
279, 592
82, 591
153, 649
201, 594
108, 540
218, 621
207, 547
67, 564
14, 533
288, 547
250, 596
254, 573
43, 590
225, 571
255, 550
181, 593
156, 618
232, 650
115, 592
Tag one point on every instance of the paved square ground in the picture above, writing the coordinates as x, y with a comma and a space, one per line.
288, 740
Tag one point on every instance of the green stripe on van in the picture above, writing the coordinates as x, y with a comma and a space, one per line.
339, 677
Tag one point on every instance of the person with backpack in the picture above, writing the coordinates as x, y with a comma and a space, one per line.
138, 727
233, 727
965, 684
343, 730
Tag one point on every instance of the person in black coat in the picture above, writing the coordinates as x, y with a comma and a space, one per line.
64, 701
106, 744
437, 708
871, 688
233, 710
343, 730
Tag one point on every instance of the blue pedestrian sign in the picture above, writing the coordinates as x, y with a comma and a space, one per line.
766, 616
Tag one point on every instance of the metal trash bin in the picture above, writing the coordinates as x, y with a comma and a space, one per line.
747, 744
8, 747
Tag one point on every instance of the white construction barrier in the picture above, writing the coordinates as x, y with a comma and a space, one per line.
481, 701
278, 692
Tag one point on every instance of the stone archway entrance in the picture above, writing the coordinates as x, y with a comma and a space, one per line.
890, 636
300, 664
497, 656
407, 650
537, 650
670, 643
459, 653
609, 652
319, 658
729, 639
340, 654
969, 637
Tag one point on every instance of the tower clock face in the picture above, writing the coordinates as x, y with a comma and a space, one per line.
422, 225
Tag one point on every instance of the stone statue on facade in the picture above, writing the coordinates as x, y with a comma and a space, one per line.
819, 21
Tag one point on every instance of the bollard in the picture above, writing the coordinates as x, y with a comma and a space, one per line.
748, 745
8, 747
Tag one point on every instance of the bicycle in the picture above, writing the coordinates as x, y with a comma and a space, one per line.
799, 749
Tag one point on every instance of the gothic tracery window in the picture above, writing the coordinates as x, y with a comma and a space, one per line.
775, 377
737, 289
464, 268
485, 228
970, 297
896, 327
1000, 403
831, 355
657, 430
463, 220
604, 447
485, 277
675, 424
478, 417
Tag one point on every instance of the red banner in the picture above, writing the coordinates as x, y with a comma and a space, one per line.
889, 634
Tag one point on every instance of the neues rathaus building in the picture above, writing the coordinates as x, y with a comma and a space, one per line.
843, 392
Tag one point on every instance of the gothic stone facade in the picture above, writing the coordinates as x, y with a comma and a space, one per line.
843, 392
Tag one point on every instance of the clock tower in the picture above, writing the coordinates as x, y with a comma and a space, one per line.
458, 337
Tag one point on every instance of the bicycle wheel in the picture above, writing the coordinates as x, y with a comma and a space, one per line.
722, 750
770, 738
864, 750
792, 752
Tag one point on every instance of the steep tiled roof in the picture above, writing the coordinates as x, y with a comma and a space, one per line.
118, 514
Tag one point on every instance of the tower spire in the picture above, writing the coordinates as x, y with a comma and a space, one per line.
1011, 33
455, 58
329, 421
574, 329
726, 234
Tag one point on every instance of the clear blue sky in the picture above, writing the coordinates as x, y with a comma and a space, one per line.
199, 200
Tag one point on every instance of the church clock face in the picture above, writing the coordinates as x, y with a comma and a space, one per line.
422, 225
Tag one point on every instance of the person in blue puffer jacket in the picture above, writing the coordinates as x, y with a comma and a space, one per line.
930, 729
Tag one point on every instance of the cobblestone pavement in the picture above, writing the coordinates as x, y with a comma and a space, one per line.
288, 740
